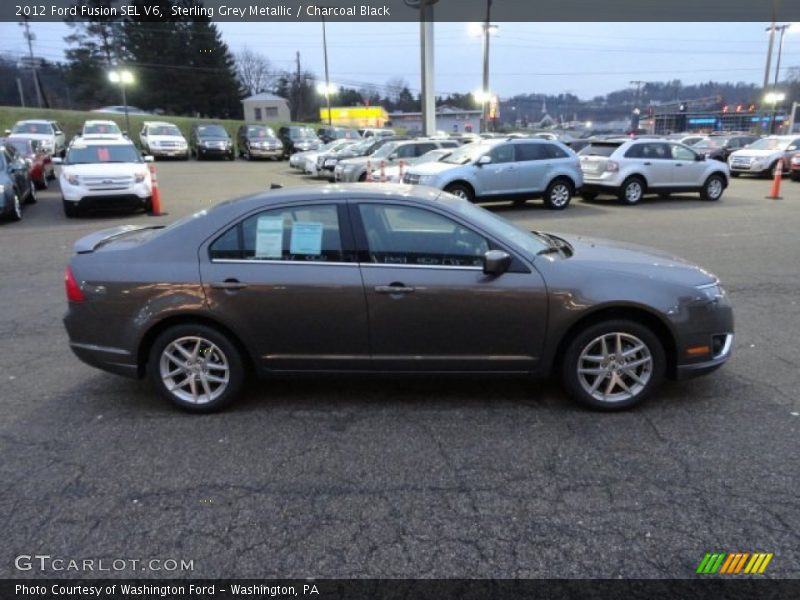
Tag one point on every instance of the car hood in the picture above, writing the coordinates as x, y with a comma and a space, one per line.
755, 153
34, 136
622, 257
105, 169
166, 138
433, 168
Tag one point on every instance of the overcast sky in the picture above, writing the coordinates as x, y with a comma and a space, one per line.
585, 59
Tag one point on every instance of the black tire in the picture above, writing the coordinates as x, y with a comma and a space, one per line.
461, 190
795, 176
41, 184
713, 188
587, 340
770, 172
71, 209
627, 193
520, 202
219, 350
735, 174
31, 199
664, 195
558, 194
363, 177
52, 174
588, 196
16, 209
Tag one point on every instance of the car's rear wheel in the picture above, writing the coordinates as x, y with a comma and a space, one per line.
41, 183
461, 190
631, 191
32, 193
16, 209
558, 194
71, 209
613, 365
713, 187
196, 367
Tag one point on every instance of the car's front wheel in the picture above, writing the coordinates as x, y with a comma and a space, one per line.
613, 365
32, 192
196, 367
631, 191
713, 187
461, 190
558, 194
71, 209
16, 208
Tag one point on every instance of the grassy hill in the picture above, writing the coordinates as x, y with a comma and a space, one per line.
72, 120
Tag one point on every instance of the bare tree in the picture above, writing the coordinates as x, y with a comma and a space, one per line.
254, 71
394, 87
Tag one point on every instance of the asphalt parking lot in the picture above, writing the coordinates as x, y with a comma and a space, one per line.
399, 478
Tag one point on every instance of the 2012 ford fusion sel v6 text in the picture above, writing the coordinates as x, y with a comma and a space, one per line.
385, 279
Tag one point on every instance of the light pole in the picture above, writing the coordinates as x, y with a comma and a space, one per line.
327, 80
123, 77
783, 29
486, 29
774, 98
326, 89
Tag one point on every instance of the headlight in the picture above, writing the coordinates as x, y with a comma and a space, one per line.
73, 179
712, 291
139, 177
427, 179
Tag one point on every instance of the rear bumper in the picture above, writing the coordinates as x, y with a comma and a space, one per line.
113, 360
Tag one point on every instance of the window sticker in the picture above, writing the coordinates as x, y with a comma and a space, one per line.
103, 155
306, 238
269, 237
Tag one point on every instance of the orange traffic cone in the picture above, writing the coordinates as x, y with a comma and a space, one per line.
775, 192
155, 200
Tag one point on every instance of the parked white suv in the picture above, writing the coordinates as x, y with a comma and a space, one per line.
100, 173
163, 139
49, 134
631, 168
96, 127
762, 156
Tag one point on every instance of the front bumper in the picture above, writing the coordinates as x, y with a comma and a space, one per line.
169, 152
748, 168
691, 370
201, 151
265, 152
77, 193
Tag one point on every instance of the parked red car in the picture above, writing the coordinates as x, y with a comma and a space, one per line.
41, 166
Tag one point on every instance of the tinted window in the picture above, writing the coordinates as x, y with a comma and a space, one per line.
211, 131
300, 233
20, 145
163, 130
527, 152
413, 236
37, 128
655, 151
421, 149
502, 154
101, 128
554, 151
598, 149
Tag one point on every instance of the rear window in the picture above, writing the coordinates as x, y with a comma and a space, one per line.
598, 149
36, 128
118, 153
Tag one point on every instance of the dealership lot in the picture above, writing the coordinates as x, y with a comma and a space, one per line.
393, 478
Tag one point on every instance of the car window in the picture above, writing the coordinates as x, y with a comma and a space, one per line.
112, 153
655, 151
553, 151
297, 233
406, 235
526, 152
599, 149
420, 149
503, 153
681, 153
406, 151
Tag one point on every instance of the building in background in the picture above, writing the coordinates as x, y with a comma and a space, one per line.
358, 117
266, 107
449, 119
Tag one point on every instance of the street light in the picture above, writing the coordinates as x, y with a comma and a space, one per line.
327, 89
123, 77
486, 29
791, 27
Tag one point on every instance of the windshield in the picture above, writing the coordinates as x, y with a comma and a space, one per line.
32, 128
163, 130
101, 128
260, 131
112, 153
300, 133
212, 131
385, 150
598, 150
717, 142
467, 154
769, 144
21, 146
430, 156
498, 226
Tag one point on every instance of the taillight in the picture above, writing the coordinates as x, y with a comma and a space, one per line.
612, 166
74, 293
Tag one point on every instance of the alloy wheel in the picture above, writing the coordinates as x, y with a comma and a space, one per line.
714, 189
633, 192
559, 195
17, 214
615, 367
194, 370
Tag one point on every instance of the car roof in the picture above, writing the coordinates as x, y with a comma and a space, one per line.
103, 121
159, 123
37, 121
104, 140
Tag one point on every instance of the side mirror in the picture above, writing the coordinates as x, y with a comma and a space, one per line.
484, 160
56, 160
496, 262
148, 158
699, 157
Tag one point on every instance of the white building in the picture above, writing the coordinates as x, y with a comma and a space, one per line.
266, 107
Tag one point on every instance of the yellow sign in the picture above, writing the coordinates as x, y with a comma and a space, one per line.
355, 116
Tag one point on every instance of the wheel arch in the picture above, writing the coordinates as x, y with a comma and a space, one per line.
634, 313
463, 182
150, 336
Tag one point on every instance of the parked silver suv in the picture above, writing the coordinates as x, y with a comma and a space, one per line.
390, 154
505, 169
631, 168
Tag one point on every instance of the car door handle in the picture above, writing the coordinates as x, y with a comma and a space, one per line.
228, 284
679, 164
648, 163
395, 288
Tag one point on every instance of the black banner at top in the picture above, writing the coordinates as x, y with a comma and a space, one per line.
408, 10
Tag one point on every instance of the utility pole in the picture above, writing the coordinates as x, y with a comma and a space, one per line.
771, 30
327, 79
21, 95
30, 37
485, 90
782, 29
428, 96
637, 100
298, 92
